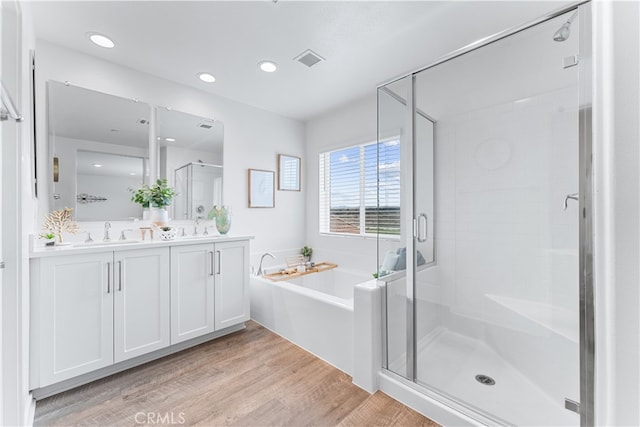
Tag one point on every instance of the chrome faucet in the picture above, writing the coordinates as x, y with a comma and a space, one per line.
260, 272
195, 227
123, 236
107, 226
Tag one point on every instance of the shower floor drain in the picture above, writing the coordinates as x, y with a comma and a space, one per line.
485, 379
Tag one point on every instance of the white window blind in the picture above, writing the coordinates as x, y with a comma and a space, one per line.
350, 183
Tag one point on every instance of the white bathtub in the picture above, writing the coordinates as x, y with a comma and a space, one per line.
314, 311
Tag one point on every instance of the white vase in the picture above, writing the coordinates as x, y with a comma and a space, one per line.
159, 216
145, 214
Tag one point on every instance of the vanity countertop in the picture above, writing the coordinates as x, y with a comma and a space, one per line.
97, 246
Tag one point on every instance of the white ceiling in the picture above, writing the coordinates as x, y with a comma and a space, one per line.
364, 43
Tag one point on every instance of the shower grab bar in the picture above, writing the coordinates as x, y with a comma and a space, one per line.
9, 109
573, 196
422, 219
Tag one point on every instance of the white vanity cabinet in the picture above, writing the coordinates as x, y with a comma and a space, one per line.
209, 288
100, 310
141, 293
72, 316
192, 277
231, 283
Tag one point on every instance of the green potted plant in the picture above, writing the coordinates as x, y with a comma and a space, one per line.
141, 197
160, 194
156, 198
49, 239
306, 252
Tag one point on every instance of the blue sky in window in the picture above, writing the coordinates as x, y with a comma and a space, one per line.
345, 176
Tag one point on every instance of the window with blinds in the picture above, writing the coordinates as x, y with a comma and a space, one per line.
352, 180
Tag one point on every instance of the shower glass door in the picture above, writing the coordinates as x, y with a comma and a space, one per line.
486, 315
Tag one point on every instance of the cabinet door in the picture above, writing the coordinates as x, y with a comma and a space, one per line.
75, 327
191, 291
232, 283
141, 298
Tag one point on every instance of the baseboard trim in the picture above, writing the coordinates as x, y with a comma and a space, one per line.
30, 411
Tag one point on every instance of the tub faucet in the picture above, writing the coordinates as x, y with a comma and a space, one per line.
107, 226
259, 272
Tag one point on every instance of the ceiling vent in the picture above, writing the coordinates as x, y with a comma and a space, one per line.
309, 58
142, 121
206, 125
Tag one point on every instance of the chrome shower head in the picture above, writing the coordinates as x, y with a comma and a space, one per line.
564, 31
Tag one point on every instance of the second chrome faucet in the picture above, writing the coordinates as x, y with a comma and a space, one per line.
107, 227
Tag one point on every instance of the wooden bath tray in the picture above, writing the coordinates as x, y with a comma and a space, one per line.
291, 273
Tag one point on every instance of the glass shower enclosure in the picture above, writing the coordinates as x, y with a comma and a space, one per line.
486, 286
199, 189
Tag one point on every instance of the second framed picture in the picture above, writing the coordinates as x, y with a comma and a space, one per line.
288, 173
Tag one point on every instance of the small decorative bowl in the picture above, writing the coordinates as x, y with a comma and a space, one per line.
167, 233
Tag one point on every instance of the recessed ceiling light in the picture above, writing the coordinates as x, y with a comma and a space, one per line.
132, 173
97, 165
268, 66
206, 77
101, 40
170, 139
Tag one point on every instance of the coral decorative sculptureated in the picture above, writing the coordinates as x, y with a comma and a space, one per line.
60, 221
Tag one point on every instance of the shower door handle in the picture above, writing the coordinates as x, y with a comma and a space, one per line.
423, 227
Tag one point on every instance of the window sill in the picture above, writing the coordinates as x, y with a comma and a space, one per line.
361, 236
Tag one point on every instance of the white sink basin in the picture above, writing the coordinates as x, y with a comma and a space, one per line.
100, 243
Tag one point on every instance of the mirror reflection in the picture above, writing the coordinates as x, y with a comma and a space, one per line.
190, 156
100, 143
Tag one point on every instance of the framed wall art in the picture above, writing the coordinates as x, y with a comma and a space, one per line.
288, 173
261, 188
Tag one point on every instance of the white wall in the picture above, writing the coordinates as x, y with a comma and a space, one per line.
617, 201
253, 138
349, 125
616, 113
16, 405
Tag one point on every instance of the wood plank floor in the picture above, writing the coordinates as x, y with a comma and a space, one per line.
250, 378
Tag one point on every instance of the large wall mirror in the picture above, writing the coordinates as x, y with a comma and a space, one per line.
190, 157
99, 149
